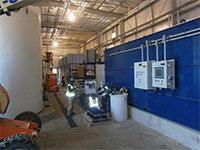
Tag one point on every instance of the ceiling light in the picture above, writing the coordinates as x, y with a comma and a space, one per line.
55, 43
71, 17
60, 57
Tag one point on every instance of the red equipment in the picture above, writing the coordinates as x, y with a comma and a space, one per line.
16, 134
51, 82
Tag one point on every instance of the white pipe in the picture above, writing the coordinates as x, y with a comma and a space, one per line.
178, 34
182, 37
156, 44
182, 33
136, 48
142, 52
147, 46
161, 41
164, 47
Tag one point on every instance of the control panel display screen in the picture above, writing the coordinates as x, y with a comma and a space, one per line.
159, 72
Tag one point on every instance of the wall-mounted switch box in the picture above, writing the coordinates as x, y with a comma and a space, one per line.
143, 75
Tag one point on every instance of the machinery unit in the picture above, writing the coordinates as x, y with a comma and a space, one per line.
20, 133
98, 105
90, 87
163, 74
143, 75
51, 82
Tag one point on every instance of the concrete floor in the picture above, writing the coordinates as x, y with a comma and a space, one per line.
56, 133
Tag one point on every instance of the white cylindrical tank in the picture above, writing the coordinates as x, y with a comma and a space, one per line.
118, 106
20, 60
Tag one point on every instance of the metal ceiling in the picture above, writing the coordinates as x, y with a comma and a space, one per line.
92, 16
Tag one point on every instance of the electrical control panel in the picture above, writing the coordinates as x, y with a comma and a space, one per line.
143, 75
163, 74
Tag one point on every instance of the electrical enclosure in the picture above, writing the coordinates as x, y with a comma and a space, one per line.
163, 74
143, 75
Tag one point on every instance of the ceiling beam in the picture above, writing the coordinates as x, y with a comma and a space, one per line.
74, 7
64, 40
102, 13
71, 29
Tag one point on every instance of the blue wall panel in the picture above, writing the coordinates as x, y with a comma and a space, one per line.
181, 105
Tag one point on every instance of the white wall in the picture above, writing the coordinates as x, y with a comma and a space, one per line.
20, 60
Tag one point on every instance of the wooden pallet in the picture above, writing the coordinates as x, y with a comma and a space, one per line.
92, 122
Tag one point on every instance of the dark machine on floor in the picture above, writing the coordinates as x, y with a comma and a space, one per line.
96, 103
20, 133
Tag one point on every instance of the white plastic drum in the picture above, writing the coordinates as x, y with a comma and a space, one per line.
20, 60
119, 106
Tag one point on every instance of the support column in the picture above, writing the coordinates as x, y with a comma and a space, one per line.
174, 16
122, 31
152, 15
136, 28
84, 47
100, 48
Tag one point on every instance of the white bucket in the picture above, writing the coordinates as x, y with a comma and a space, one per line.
119, 107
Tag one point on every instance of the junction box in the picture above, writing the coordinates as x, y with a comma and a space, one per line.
143, 75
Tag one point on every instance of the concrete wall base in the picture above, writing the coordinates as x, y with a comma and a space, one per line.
181, 134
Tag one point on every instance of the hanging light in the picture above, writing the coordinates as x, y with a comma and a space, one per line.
55, 43
71, 17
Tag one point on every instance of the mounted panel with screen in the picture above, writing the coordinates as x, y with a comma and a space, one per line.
163, 74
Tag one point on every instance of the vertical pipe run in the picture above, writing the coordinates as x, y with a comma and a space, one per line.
142, 52
147, 45
164, 47
156, 50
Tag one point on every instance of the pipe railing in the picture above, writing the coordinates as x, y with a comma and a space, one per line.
163, 41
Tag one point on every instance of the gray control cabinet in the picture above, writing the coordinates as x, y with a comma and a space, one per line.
163, 74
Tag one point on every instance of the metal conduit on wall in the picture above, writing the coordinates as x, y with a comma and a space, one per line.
20, 60
170, 39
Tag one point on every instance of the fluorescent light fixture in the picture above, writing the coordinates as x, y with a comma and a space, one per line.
114, 34
71, 17
55, 43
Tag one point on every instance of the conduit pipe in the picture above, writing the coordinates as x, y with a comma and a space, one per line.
142, 52
147, 46
170, 39
156, 44
165, 47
